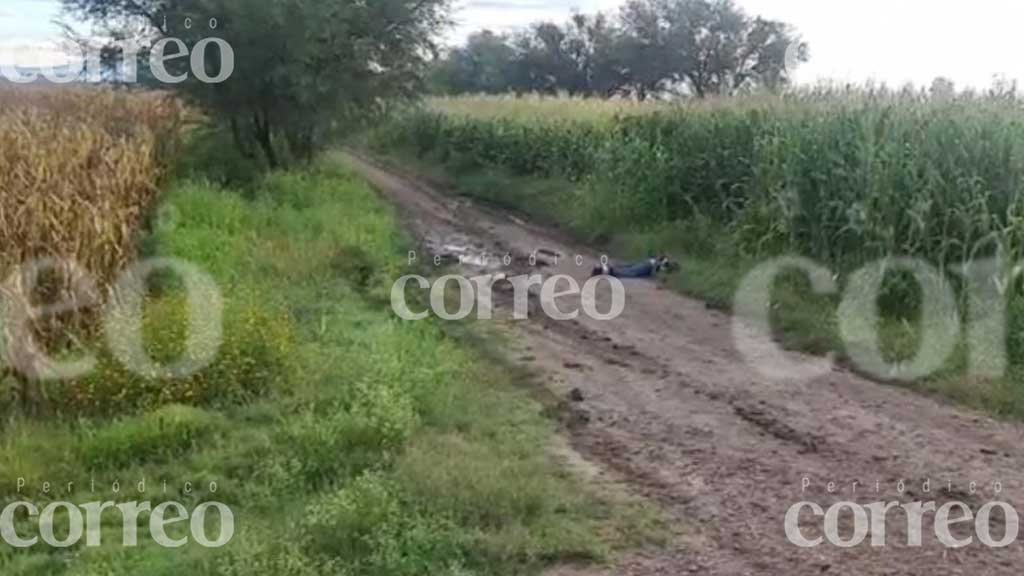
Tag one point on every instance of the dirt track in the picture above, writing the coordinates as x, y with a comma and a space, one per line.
671, 410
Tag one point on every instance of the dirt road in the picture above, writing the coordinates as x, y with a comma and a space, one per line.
669, 408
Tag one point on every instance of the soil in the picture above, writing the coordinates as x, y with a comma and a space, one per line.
659, 399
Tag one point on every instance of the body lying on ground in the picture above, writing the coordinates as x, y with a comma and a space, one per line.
646, 269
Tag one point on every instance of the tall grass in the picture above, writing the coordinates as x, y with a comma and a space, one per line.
845, 178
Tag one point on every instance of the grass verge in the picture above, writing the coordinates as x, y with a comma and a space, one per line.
344, 440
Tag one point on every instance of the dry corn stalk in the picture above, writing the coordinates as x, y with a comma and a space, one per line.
78, 174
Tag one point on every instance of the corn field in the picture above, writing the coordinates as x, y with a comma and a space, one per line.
78, 174
841, 177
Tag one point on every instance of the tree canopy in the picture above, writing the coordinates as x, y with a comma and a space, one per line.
699, 47
299, 65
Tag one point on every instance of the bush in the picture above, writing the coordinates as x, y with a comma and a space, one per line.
254, 358
157, 436
211, 155
368, 525
366, 431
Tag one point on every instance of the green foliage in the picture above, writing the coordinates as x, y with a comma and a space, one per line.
211, 155
253, 358
348, 458
368, 525
710, 47
845, 179
377, 422
299, 65
160, 435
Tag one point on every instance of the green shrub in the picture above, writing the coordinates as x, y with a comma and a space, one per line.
376, 423
368, 525
211, 154
157, 436
253, 358
269, 554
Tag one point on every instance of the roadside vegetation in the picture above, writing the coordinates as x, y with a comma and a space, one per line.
842, 177
344, 440
80, 171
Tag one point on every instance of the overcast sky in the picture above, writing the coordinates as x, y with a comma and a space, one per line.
25, 26
894, 41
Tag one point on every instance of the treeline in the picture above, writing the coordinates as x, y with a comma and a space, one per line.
696, 47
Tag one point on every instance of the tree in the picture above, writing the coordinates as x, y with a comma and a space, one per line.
942, 88
486, 64
711, 47
581, 57
646, 56
299, 64
593, 45
700, 47
545, 62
